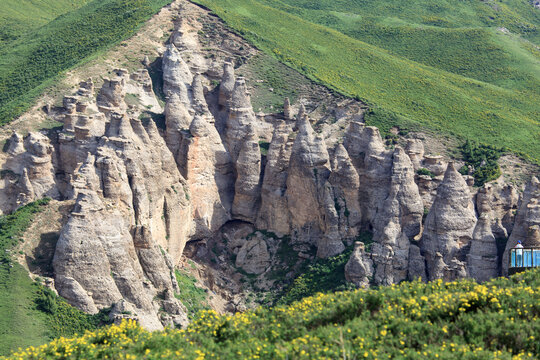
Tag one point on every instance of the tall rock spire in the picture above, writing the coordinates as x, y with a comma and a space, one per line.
226, 86
450, 222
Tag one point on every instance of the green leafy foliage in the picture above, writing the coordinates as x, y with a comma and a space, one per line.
324, 275
412, 320
193, 297
30, 64
442, 93
482, 159
424, 171
264, 146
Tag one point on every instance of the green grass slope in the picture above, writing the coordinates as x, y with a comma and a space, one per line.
30, 315
421, 94
18, 17
33, 61
413, 320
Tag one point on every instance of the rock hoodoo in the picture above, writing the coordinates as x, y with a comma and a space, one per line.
143, 188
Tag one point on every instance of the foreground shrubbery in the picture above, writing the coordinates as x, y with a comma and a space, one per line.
496, 320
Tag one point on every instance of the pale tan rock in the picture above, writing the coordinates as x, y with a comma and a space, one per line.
253, 256
226, 86
450, 222
274, 213
346, 184
248, 178
307, 175
359, 268
417, 264
209, 175
240, 116
175, 71
482, 260
112, 94
415, 150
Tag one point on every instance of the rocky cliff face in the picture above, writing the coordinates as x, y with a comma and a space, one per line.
142, 192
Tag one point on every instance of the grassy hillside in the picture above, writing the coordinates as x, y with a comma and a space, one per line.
30, 315
497, 320
30, 63
18, 17
432, 88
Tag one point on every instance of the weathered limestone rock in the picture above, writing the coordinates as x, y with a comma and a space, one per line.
359, 268
175, 71
226, 86
274, 212
177, 119
527, 220
498, 203
417, 264
253, 256
373, 163
112, 94
482, 258
287, 111
308, 172
197, 92
26, 190
240, 116
140, 85
449, 225
346, 184
248, 178
15, 145
38, 161
415, 150
209, 174
398, 221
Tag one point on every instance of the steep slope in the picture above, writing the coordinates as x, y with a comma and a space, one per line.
412, 320
162, 156
29, 64
19, 17
428, 96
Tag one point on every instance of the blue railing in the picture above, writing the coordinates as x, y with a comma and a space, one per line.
524, 257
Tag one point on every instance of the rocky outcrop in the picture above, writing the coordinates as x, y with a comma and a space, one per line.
226, 86
449, 225
346, 186
482, 259
398, 221
240, 116
309, 169
141, 192
274, 212
248, 177
253, 256
527, 222
112, 93
359, 268
498, 203
175, 71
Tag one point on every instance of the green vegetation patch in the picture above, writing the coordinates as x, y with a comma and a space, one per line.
324, 275
481, 161
431, 96
31, 314
413, 320
193, 297
30, 64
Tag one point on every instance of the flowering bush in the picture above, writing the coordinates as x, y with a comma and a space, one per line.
438, 320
